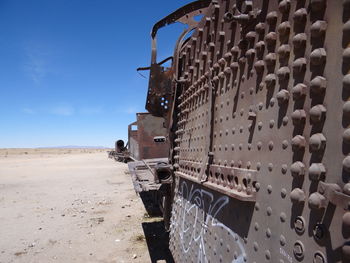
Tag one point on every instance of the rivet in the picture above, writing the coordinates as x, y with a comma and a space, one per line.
270, 59
282, 240
270, 166
284, 168
234, 50
270, 80
283, 217
272, 102
234, 66
284, 144
249, 165
318, 28
283, 192
268, 254
283, 73
271, 38
222, 62
346, 26
346, 82
272, 123
268, 232
316, 171
250, 53
284, 28
317, 112
317, 201
259, 66
299, 40
300, 15
317, 142
228, 56
298, 250
271, 18
298, 142
346, 136
346, 221
318, 56
346, 164
346, 109
256, 226
318, 84
269, 211
256, 246
285, 120
299, 65
269, 189
283, 51
299, 224
346, 189
260, 46
297, 195
260, 28
270, 145
259, 145
284, 6
346, 251
298, 117
260, 124
346, 55
258, 167
319, 257
257, 206
282, 96
297, 169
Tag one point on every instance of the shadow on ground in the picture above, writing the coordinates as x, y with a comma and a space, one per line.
150, 201
157, 241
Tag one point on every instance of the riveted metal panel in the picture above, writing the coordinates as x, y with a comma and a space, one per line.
262, 140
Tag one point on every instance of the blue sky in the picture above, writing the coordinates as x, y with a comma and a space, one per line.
67, 68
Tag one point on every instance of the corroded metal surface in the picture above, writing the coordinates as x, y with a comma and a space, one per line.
143, 175
141, 140
261, 140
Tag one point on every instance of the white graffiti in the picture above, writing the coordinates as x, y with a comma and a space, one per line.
194, 226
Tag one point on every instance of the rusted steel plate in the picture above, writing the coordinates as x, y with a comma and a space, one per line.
142, 174
141, 140
264, 88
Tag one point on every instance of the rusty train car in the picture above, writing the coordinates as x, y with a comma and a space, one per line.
257, 107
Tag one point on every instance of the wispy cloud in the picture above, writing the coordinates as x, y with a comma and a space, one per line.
67, 110
90, 110
63, 110
131, 110
29, 111
36, 63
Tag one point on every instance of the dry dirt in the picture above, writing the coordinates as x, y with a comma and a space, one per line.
68, 205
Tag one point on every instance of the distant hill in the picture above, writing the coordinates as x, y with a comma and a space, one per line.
76, 147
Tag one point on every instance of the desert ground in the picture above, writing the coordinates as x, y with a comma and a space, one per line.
70, 205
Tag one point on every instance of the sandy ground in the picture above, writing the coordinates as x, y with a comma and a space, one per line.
68, 205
